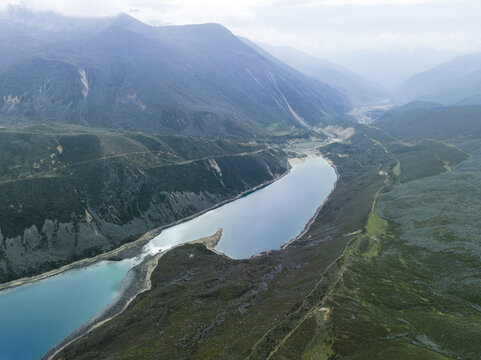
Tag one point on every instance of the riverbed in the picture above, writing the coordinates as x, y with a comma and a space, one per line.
35, 317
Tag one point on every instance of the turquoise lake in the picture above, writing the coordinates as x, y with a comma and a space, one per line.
35, 317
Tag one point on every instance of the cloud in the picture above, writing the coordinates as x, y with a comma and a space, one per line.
369, 2
153, 11
320, 26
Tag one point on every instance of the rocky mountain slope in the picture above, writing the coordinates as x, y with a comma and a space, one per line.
81, 172
72, 192
121, 73
359, 90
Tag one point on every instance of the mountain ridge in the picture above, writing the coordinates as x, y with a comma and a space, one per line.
358, 89
454, 82
191, 80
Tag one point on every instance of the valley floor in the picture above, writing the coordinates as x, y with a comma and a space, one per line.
389, 269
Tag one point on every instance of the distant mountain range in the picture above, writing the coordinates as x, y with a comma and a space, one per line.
120, 73
432, 120
359, 90
457, 82
391, 67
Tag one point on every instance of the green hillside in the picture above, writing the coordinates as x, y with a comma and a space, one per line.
71, 192
388, 270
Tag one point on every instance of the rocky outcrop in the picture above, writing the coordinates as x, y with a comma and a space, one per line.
116, 201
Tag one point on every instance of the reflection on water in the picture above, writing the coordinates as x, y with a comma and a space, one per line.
35, 317
262, 220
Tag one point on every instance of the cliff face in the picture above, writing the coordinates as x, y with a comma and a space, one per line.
78, 195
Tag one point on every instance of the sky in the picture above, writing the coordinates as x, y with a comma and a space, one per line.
320, 27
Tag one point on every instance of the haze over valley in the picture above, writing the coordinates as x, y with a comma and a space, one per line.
256, 180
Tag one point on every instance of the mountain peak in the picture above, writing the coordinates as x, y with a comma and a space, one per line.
119, 72
127, 20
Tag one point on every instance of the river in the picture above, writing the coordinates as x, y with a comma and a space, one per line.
35, 317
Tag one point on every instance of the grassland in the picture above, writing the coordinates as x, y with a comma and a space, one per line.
419, 298
388, 270
407, 287
272, 306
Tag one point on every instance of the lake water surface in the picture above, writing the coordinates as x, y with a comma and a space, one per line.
35, 317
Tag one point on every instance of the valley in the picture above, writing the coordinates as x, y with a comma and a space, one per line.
364, 241
188, 190
110, 188
77, 295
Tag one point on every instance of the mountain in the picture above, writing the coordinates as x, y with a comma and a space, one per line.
74, 94
70, 192
454, 82
391, 67
121, 73
353, 274
433, 121
358, 89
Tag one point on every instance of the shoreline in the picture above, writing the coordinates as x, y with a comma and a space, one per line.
316, 214
131, 290
137, 279
119, 252
138, 282
124, 251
